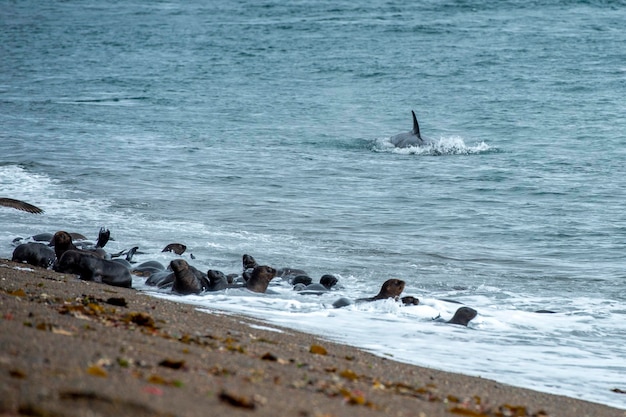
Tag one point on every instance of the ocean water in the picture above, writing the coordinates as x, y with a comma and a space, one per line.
262, 127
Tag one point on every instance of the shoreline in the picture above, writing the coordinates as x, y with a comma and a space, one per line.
74, 348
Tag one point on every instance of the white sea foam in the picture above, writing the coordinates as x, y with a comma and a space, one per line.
523, 348
445, 145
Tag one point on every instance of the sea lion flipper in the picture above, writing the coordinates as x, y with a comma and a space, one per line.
103, 237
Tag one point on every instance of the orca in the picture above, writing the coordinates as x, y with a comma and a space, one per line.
412, 138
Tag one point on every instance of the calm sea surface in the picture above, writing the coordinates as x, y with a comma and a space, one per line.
263, 127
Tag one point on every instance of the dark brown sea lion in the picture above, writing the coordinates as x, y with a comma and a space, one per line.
260, 278
187, 279
63, 241
20, 205
217, 280
324, 286
328, 281
177, 248
248, 262
463, 316
34, 253
392, 288
161, 279
147, 268
289, 274
92, 268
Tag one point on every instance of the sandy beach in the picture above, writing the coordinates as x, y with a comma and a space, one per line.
75, 348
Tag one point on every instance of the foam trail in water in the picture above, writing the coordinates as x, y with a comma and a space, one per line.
445, 145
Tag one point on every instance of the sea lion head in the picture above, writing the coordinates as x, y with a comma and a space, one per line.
391, 288
179, 265
248, 262
61, 239
328, 281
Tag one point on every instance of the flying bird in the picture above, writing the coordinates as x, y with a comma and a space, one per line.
20, 205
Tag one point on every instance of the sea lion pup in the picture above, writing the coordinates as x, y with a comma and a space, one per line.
288, 274
34, 253
161, 279
462, 316
92, 268
177, 248
147, 268
40, 237
260, 278
187, 279
20, 205
249, 263
328, 281
324, 286
217, 280
392, 288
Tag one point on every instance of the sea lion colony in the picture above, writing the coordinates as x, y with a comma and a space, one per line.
72, 253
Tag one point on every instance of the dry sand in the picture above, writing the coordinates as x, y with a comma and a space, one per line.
75, 348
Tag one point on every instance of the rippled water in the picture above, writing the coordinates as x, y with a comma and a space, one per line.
263, 128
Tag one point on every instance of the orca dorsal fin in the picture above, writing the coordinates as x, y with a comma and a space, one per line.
416, 127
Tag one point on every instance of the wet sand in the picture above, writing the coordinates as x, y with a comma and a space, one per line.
75, 348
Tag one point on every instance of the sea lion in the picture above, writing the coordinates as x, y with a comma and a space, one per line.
40, 237
217, 280
392, 288
311, 289
302, 279
161, 279
64, 241
289, 274
91, 268
20, 205
260, 278
324, 286
187, 279
146, 269
328, 281
412, 138
34, 253
462, 316
248, 262
177, 248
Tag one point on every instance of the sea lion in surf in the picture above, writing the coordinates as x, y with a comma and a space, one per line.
324, 286
177, 248
34, 253
161, 279
20, 205
392, 288
217, 280
461, 317
146, 269
187, 279
92, 268
260, 278
411, 138
248, 262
